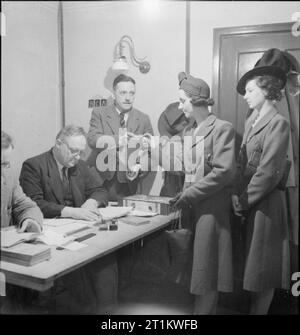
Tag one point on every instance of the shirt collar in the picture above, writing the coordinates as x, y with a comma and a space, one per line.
119, 112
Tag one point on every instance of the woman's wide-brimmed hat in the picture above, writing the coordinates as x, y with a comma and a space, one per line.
172, 121
273, 63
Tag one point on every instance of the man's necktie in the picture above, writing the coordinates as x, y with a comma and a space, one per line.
65, 180
122, 119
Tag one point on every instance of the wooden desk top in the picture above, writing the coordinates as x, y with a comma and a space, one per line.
41, 276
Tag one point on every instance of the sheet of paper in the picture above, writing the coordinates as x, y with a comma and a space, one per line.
136, 212
74, 246
12, 237
69, 229
114, 212
50, 237
57, 222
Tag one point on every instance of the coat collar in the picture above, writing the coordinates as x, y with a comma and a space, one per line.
204, 130
113, 120
272, 111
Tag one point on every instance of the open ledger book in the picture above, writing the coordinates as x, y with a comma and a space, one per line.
55, 232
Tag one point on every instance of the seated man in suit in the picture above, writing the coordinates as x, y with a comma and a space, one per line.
16, 209
64, 186
112, 120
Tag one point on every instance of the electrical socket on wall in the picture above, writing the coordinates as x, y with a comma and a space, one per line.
97, 103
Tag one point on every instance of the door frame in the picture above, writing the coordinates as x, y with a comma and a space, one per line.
221, 33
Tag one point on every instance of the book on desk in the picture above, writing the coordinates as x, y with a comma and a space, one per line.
26, 254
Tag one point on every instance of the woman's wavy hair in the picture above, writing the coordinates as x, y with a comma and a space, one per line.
200, 101
271, 85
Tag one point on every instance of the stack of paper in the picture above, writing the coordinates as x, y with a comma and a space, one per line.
26, 254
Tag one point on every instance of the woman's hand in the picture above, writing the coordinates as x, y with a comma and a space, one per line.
237, 207
179, 203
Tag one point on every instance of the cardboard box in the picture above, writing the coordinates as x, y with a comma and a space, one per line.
150, 203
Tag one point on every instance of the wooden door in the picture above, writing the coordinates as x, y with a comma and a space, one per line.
236, 50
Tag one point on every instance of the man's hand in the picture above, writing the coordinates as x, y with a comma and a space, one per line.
81, 213
178, 202
30, 226
90, 204
131, 135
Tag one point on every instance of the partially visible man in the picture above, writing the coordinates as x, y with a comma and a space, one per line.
64, 186
16, 207
109, 120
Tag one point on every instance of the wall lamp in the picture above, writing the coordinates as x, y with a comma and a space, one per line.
120, 61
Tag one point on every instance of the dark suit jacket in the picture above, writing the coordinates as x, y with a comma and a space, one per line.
41, 181
15, 205
106, 121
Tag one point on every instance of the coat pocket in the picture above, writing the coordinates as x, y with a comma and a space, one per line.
253, 162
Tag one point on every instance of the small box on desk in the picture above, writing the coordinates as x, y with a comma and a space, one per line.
149, 203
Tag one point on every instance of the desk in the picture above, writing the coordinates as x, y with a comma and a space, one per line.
41, 276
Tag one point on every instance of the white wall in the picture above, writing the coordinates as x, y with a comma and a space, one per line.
205, 16
30, 71
91, 31
29, 77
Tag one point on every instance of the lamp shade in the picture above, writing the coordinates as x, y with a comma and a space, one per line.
120, 64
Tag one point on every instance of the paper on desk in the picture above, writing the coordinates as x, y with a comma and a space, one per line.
50, 237
136, 212
69, 229
57, 222
114, 212
11, 237
74, 246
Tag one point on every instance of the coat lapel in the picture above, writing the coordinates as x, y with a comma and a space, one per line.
54, 183
133, 121
205, 129
113, 120
262, 122
75, 181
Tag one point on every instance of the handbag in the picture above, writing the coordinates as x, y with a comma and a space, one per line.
180, 244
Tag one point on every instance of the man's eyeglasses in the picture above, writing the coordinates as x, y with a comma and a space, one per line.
5, 165
74, 152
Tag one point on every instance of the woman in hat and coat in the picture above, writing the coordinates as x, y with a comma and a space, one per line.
208, 161
259, 197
